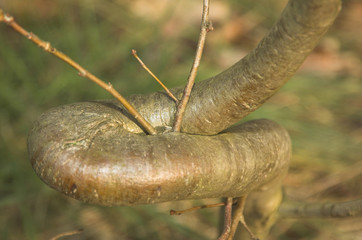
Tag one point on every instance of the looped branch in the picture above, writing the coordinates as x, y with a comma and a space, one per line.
94, 151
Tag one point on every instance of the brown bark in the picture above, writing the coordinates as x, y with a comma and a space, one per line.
83, 151
223, 100
95, 151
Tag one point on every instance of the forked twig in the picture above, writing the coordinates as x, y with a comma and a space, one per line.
46, 46
228, 213
169, 93
205, 28
239, 217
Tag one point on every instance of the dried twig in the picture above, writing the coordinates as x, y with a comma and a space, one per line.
65, 234
46, 46
169, 93
175, 212
227, 222
205, 27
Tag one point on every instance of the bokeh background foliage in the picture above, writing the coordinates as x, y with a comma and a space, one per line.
321, 107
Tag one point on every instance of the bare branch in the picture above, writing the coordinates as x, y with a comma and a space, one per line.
239, 217
205, 28
46, 46
175, 172
175, 212
136, 164
224, 99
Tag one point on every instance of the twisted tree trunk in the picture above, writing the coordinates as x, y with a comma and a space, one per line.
95, 152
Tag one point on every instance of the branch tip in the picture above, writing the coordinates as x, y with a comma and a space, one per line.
67, 234
8, 19
169, 93
174, 212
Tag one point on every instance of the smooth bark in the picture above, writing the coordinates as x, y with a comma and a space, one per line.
83, 151
97, 153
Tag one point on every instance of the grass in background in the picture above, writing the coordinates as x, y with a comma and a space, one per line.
321, 106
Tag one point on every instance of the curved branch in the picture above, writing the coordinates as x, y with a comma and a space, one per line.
96, 153
83, 151
223, 100
228, 97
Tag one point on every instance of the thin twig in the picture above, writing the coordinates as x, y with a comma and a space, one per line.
175, 212
227, 222
239, 217
169, 93
65, 234
205, 28
46, 46
238, 212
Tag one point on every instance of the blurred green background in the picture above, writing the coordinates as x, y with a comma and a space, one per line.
321, 107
